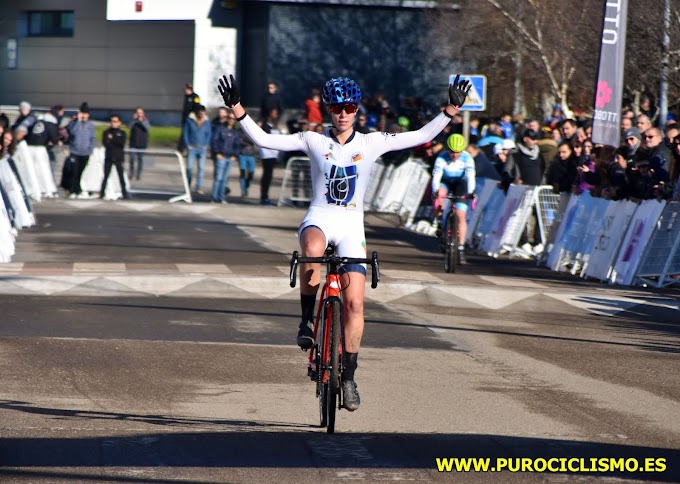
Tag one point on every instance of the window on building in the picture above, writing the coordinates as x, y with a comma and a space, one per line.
50, 23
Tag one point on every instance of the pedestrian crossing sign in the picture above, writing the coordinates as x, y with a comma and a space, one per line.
476, 98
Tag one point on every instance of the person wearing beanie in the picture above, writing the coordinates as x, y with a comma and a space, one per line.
24, 123
633, 142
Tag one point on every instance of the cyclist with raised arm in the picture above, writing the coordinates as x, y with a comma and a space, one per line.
454, 173
341, 161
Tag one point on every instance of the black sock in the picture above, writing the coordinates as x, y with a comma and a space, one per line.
350, 366
307, 304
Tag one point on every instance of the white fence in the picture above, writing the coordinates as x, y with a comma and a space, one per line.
16, 211
164, 173
616, 241
390, 189
28, 177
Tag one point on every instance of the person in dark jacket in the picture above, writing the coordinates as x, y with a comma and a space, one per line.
563, 170
483, 166
226, 145
45, 131
504, 163
23, 124
528, 158
113, 140
82, 140
4, 121
139, 140
656, 152
246, 163
617, 186
271, 100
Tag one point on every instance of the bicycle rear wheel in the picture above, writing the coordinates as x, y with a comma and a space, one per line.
451, 237
334, 361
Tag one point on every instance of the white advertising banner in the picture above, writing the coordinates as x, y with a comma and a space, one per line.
563, 229
15, 195
512, 201
639, 231
26, 168
485, 188
608, 239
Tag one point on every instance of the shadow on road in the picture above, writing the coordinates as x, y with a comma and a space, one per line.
216, 443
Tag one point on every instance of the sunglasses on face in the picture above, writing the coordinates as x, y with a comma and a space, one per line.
339, 108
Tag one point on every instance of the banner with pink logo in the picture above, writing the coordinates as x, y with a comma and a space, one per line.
609, 93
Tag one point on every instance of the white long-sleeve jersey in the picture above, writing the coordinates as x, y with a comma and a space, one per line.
449, 171
340, 173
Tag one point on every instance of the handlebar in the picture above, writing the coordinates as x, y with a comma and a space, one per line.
469, 196
334, 262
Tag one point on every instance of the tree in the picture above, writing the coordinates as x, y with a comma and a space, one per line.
554, 39
644, 51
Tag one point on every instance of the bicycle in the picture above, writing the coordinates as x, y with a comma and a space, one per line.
450, 236
325, 357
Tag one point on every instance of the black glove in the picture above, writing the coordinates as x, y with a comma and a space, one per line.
458, 91
229, 93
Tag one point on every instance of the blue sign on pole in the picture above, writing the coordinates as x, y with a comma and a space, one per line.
476, 99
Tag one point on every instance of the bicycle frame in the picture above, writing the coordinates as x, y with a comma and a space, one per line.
330, 292
325, 358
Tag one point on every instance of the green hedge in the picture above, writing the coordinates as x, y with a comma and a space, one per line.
165, 136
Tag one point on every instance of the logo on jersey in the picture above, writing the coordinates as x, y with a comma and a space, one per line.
357, 157
38, 128
341, 182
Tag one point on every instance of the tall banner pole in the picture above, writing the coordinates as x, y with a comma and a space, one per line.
609, 92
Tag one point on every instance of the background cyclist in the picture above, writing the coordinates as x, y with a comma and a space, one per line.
340, 165
454, 172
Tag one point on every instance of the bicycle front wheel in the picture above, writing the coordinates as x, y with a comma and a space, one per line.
451, 237
322, 387
334, 361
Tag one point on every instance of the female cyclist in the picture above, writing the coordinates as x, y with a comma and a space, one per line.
454, 172
341, 161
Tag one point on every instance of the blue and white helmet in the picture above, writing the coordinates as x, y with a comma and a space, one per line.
341, 90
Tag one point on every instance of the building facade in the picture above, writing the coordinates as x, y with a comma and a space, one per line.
119, 54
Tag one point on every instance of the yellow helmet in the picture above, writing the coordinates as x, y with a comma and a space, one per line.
456, 142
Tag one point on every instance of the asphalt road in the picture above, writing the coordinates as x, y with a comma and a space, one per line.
151, 342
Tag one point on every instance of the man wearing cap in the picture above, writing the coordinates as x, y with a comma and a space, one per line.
505, 164
633, 138
82, 141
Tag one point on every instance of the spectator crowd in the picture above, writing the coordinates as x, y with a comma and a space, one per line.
557, 151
